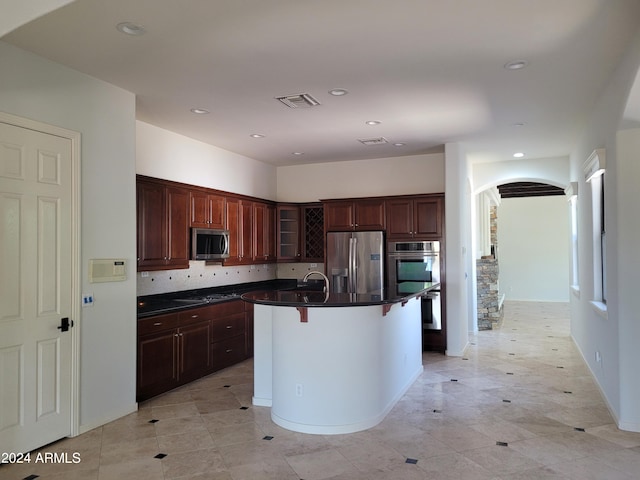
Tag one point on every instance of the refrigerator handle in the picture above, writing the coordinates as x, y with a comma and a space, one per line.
353, 248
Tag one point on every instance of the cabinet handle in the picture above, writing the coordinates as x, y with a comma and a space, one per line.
229, 351
194, 316
157, 324
229, 326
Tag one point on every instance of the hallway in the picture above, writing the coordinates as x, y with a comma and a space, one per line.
520, 405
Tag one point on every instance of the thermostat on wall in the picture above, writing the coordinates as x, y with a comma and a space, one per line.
107, 270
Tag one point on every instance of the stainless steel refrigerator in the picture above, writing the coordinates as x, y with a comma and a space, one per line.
355, 262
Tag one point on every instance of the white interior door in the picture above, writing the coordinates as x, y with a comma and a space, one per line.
35, 288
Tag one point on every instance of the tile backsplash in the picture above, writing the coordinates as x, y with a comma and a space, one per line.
199, 275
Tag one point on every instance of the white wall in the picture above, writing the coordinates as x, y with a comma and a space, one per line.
38, 89
614, 334
628, 277
171, 156
533, 248
362, 178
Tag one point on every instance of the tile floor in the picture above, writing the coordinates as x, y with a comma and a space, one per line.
520, 405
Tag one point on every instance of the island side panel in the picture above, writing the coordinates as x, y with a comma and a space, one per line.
262, 355
345, 368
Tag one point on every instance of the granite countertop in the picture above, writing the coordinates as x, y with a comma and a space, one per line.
302, 298
150, 305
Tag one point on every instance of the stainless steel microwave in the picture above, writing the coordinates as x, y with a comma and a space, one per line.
209, 244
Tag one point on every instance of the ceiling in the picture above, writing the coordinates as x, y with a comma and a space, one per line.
430, 71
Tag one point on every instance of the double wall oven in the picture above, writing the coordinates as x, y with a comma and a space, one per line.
409, 264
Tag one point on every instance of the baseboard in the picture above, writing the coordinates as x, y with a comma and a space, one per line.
104, 420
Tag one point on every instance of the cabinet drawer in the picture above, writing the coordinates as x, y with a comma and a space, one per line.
231, 326
157, 323
195, 315
228, 308
228, 352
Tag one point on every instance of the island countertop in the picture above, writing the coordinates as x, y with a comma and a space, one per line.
312, 298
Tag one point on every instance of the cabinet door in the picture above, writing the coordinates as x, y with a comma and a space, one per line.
157, 363
369, 215
339, 216
178, 227
246, 224
399, 214
263, 232
152, 229
200, 212
270, 234
194, 351
428, 217
207, 210
235, 231
288, 233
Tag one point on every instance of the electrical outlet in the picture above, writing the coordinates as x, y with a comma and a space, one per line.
87, 299
298, 389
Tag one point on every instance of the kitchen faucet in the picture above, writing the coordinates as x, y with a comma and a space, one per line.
326, 280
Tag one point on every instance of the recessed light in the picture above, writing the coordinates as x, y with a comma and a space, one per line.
129, 28
298, 153
256, 135
373, 122
518, 155
516, 65
199, 111
399, 144
338, 92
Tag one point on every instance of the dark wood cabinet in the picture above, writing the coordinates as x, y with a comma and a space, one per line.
288, 233
300, 232
264, 236
415, 217
207, 210
350, 215
163, 226
177, 348
240, 226
170, 354
312, 236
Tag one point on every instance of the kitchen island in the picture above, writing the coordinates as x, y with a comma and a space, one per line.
329, 363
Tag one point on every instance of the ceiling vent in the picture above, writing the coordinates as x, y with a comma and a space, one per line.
373, 141
300, 100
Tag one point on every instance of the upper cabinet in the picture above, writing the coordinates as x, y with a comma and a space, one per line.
300, 234
163, 226
240, 226
415, 217
288, 233
207, 210
264, 232
349, 215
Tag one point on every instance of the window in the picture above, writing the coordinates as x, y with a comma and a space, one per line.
572, 192
594, 170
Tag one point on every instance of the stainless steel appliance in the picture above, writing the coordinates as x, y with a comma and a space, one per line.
209, 244
410, 264
355, 262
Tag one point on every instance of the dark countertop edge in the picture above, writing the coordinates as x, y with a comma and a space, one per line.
166, 298
356, 303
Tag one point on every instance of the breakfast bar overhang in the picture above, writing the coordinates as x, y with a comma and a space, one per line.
330, 363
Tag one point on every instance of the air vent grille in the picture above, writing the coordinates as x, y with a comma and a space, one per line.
300, 100
373, 141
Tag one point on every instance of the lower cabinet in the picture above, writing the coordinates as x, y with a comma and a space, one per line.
177, 348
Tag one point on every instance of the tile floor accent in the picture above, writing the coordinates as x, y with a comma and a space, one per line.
520, 405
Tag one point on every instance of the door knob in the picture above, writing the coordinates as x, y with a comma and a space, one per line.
65, 324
